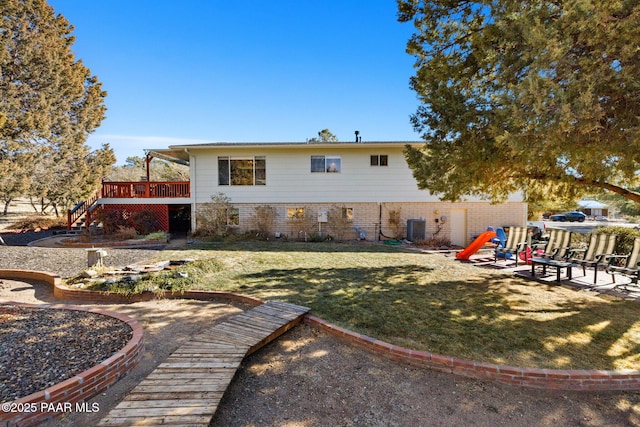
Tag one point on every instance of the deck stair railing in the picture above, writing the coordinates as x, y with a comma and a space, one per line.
73, 215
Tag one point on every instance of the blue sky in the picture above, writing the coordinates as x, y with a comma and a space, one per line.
245, 71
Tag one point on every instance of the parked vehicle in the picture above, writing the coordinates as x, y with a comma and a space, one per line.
569, 216
537, 229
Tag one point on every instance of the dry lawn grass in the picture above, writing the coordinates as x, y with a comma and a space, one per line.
433, 303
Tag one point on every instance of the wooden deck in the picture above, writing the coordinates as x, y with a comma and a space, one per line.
186, 388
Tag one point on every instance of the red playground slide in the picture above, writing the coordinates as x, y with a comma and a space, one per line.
476, 245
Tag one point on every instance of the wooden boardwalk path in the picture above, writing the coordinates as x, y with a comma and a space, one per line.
186, 388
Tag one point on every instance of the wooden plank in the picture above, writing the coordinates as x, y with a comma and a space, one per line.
256, 324
189, 356
195, 420
162, 411
247, 331
177, 396
156, 376
184, 381
178, 388
207, 371
167, 403
189, 365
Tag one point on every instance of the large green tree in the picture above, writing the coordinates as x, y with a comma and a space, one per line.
49, 104
530, 95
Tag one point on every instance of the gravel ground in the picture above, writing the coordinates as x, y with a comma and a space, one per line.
19, 238
60, 343
46, 255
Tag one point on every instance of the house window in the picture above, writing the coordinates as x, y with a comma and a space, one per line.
233, 217
331, 164
242, 171
295, 213
347, 214
379, 160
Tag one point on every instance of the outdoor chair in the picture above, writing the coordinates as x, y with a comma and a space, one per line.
517, 243
628, 265
557, 247
601, 246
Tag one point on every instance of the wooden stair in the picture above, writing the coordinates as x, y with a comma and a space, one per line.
187, 387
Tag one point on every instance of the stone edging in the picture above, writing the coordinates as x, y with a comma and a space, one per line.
556, 379
64, 396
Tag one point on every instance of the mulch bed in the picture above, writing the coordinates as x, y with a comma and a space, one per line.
41, 347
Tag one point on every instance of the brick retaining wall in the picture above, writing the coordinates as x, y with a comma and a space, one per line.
556, 379
63, 397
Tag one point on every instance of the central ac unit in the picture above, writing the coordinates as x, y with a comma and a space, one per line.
416, 229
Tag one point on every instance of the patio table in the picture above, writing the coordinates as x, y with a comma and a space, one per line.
553, 263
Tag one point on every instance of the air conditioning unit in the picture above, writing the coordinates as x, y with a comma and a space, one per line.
416, 229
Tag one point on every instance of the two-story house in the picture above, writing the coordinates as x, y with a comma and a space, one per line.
370, 181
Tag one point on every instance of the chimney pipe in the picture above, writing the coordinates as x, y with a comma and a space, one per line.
357, 138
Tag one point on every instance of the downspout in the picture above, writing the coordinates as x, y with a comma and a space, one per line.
379, 221
192, 183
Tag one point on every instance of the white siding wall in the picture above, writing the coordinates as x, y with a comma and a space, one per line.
289, 179
372, 191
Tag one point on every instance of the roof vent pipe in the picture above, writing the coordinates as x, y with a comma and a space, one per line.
358, 138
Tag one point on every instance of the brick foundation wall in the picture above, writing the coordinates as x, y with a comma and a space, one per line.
369, 216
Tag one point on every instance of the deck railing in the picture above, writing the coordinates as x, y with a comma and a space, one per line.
74, 214
145, 190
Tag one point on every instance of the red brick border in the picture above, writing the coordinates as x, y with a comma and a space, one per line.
65, 293
63, 397
556, 379
551, 379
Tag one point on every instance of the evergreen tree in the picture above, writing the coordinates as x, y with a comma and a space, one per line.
49, 103
538, 96
325, 135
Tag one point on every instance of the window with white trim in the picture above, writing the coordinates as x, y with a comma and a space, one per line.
242, 170
327, 164
233, 217
347, 214
379, 160
295, 213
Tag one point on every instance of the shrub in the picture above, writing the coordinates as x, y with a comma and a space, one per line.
158, 235
396, 223
339, 222
433, 242
111, 220
304, 225
626, 236
212, 217
114, 220
144, 221
264, 220
125, 233
33, 222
